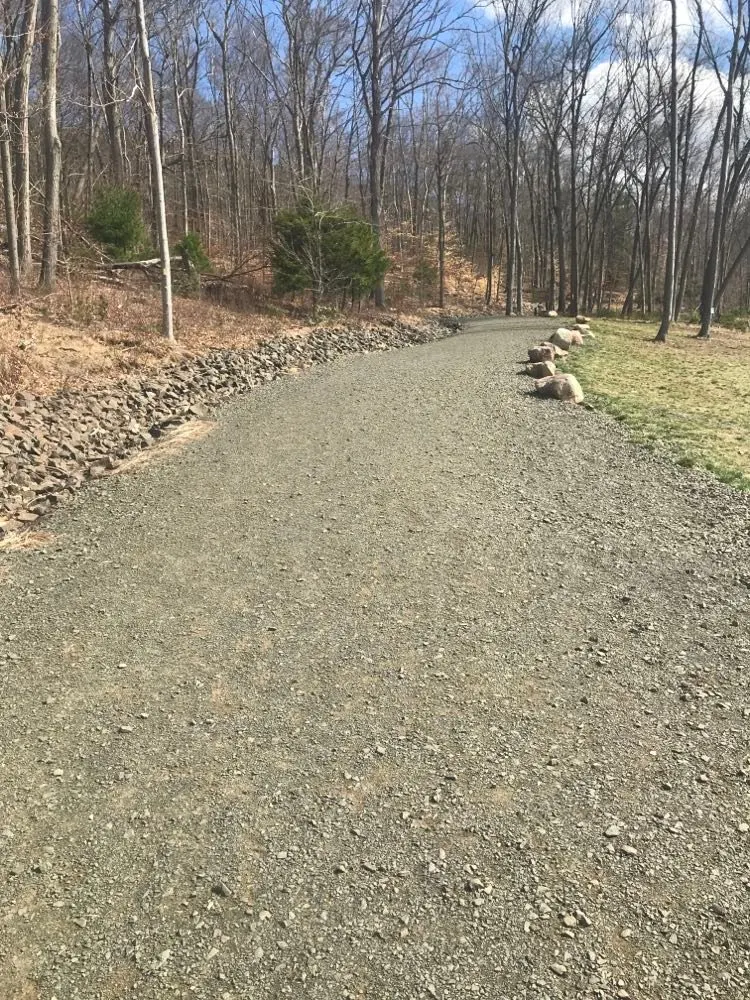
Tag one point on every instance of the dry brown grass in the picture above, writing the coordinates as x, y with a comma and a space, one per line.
91, 334
24, 540
88, 333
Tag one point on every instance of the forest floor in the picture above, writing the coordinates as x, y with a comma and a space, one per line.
692, 396
398, 683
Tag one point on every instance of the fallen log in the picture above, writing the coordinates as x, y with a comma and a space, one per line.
132, 265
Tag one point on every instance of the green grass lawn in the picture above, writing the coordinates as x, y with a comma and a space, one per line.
692, 395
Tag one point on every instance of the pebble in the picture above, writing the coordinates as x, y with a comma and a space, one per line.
559, 969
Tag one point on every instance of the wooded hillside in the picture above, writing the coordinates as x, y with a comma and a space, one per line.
540, 141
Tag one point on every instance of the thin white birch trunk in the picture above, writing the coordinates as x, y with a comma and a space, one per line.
146, 84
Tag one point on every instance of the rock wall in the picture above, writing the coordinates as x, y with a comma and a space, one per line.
50, 445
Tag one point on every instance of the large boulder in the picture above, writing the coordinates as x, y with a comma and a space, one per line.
558, 352
561, 338
576, 339
545, 352
561, 386
552, 313
581, 327
542, 369
581, 319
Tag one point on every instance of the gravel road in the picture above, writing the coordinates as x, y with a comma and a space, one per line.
399, 683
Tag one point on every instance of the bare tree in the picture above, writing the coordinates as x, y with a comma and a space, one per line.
448, 107
306, 61
50, 29
222, 37
728, 80
669, 270
22, 157
397, 48
6, 167
507, 91
146, 86
111, 14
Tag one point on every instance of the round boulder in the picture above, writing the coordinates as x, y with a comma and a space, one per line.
561, 338
542, 369
561, 386
558, 351
545, 352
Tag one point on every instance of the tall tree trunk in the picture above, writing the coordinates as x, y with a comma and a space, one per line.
681, 251
440, 184
490, 235
519, 273
574, 290
689, 240
560, 234
712, 260
669, 274
603, 251
627, 306
183, 150
157, 174
22, 164
110, 16
50, 27
6, 165
512, 231
375, 151
234, 181
551, 201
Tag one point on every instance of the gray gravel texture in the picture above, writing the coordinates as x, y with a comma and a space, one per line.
399, 684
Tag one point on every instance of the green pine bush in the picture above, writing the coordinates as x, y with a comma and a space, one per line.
190, 248
116, 221
327, 252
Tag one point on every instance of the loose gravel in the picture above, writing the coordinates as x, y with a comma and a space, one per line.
399, 684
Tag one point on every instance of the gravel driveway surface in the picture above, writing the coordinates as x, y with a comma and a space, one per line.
398, 684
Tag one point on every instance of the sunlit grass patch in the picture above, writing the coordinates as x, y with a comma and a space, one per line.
691, 395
